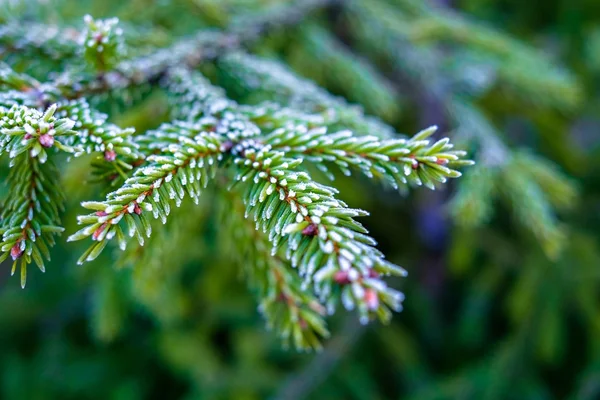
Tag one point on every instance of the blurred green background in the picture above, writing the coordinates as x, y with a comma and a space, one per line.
500, 305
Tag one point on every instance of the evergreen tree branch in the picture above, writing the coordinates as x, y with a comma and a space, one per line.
291, 310
25, 130
94, 133
258, 80
103, 45
38, 41
286, 119
187, 161
250, 28
398, 161
411, 35
331, 250
118, 150
10, 79
192, 96
22, 89
30, 215
324, 58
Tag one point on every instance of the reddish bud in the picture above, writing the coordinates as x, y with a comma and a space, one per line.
441, 161
415, 165
110, 155
98, 37
137, 209
101, 213
16, 251
302, 323
310, 230
373, 274
98, 232
46, 140
341, 277
27, 136
371, 299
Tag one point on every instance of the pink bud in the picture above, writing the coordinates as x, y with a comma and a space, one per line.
371, 299
27, 136
441, 161
101, 213
110, 155
46, 140
341, 277
16, 251
98, 232
303, 324
137, 209
373, 274
310, 230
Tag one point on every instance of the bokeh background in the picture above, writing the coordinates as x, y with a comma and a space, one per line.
504, 279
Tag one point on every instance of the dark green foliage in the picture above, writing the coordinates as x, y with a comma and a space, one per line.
192, 126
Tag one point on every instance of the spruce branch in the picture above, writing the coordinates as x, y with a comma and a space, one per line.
332, 251
530, 186
472, 204
378, 31
35, 41
30, 215
559, 189
398, 161
384, 30
258, 80
303, 249
474, 127
324, 58
192, 96
412, 35
117, 149
291, 310
13, 80
94, 134
249, 28
184, 167
12, 98
26, 130
538, 217
103, 43
22, 89
512, 60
